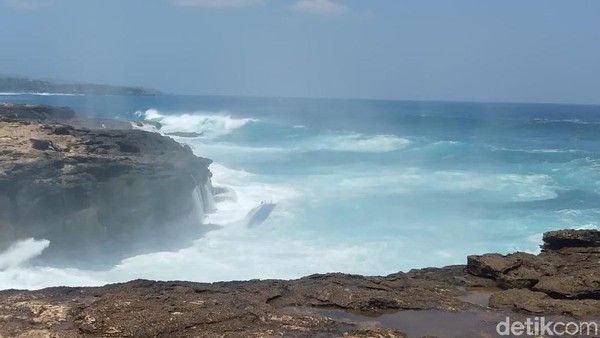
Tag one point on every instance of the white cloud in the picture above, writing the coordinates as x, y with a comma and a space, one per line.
320, 7
27, 4
217, 3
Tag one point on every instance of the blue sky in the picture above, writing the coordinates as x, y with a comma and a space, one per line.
475, 50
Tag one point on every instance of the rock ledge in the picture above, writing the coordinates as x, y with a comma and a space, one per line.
98, 195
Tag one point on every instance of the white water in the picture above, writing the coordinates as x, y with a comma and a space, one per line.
338, 208
21, 252
210, 125
362, 143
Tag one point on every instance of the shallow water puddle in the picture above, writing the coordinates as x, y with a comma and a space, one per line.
426, 322
478, 295
435, 323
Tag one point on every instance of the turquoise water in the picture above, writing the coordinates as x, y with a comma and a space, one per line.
370, 187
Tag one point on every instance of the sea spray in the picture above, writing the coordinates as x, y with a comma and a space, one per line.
16, 271
369, 187
206, 190
21, 252
203, 198
199, 204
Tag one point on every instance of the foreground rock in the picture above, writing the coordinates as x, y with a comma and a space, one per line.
98, 195
421, 303
563, 279
236, 309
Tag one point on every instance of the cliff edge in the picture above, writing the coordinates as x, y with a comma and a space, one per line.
97, 195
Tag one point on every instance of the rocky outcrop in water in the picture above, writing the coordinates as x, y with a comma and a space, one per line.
97, 194
559, 284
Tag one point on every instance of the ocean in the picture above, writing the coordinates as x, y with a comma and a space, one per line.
362, 186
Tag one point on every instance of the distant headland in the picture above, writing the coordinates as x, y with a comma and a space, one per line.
25, 85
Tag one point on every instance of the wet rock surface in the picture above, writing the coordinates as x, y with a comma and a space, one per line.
431, 302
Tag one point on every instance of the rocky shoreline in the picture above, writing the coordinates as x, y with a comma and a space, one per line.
562, 282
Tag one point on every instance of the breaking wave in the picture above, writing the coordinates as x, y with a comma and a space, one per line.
362, 143
502, 187
206, 125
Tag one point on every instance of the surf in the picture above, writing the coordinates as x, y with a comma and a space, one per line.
355, 193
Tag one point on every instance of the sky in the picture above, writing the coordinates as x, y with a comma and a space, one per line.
460, 50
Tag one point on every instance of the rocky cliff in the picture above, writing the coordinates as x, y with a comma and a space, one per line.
457, 301
97, 192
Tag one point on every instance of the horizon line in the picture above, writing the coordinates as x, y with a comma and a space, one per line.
284, 97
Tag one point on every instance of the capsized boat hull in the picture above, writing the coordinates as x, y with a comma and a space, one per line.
260, 214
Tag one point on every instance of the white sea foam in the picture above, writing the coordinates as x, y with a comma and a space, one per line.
250, 192
589, 226
238, 253
514, 187
234, 149
540, 151
232, 253
36, 277
332, 142
145, 127
297, 239
544, 151
574, 121
362, 143
15, 273
210, 125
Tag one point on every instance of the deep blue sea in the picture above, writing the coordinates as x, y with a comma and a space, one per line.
362, 186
